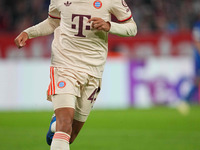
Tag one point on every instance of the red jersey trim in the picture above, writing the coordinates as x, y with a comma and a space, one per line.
125, 19
54, 17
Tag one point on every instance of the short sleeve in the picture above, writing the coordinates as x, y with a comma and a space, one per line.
53, 11
120, 10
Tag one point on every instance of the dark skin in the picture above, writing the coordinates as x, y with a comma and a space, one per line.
21, 39
66, 123
99, 24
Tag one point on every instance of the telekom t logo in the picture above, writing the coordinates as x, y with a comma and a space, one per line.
80, 25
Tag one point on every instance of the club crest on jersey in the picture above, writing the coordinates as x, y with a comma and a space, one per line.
61, 84
97, 4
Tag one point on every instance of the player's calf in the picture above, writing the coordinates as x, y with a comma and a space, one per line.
64, 120
76, 127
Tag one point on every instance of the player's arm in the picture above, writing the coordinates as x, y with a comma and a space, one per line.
44, 28
127, 28
127, 25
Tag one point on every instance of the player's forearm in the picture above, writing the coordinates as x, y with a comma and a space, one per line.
44, 28
126, 29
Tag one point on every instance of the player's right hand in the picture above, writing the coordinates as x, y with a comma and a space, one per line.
21, 39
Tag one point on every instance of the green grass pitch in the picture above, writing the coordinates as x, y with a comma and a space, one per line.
157, 128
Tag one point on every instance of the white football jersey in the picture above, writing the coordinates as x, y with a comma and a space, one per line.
76, 45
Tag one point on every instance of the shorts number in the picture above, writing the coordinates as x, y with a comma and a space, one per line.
93, 95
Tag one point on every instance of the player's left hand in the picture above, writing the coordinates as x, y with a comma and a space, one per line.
99, 24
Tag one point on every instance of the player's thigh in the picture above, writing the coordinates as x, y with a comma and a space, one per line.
85, 103
64, 105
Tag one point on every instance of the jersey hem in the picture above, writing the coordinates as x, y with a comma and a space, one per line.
80, 70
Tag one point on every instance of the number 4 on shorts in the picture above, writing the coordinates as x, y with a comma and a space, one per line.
94, 94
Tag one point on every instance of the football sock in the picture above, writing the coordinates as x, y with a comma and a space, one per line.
53, 127
60, 141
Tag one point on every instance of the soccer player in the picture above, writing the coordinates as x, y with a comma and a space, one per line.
196, 57
79, 51
196, 39
194, 90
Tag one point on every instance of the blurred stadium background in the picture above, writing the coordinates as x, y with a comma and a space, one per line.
145, 79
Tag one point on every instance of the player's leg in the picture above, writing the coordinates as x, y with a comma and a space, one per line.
64, 105
76, 128
83, 108
197, 72
84, 105
64, 121
183, 106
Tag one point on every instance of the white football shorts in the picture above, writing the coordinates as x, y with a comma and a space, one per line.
73, 89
